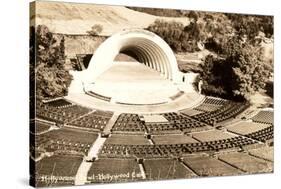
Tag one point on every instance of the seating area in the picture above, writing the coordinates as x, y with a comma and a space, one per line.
96, 120
266, 152
177, 150
177, 123
247, 163
211, 146
262, 135
174, 150
63, 168
66, 141
183, 122
208, 166
170, 145
190, 111
128, 123
212, 135
41, 127
172, 139
246, 127
211, 104
264, 117
227, 111
215, 101
114, 170
159, 168
127, 139
59, 103
121, 151
59, 115
235, 142
164, 128
207, 107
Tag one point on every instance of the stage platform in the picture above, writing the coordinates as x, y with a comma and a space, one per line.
135, 88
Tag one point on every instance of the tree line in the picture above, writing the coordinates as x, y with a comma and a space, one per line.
236, 68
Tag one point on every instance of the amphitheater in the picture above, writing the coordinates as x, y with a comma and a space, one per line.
143, 120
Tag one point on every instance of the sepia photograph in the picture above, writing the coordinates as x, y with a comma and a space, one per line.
126, 94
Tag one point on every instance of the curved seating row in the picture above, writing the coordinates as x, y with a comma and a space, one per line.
60, 115
96, 120
228, 111
165, 150
128, 123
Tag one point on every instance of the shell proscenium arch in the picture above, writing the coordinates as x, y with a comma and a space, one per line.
146, 47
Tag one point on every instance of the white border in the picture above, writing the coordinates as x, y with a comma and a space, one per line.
14, 93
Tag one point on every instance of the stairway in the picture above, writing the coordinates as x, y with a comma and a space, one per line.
82, 173
109, 125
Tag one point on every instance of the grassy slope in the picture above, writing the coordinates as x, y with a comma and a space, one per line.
76, 18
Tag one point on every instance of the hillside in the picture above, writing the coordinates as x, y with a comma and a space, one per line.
76, 18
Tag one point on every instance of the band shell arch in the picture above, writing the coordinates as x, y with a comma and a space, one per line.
145, 46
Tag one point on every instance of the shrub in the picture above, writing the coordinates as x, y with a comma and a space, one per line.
95, 30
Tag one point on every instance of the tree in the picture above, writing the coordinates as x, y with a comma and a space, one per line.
237, 75
32, 94
52, 79
95, 30
214, 75
250, 72
215, 31
250, 26
179, 37
193, 15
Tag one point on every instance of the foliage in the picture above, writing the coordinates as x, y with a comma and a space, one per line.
52, 80
32, 55
269, 88
214, 30
179, 37
160, 12
211, 30
32, 71
240, 73
214, 75
250, 72
193, 15
240, 67
250, 26
95, 30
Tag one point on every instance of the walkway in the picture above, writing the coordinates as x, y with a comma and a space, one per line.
82, 173
186, 101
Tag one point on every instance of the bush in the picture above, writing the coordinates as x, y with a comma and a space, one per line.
95, 30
